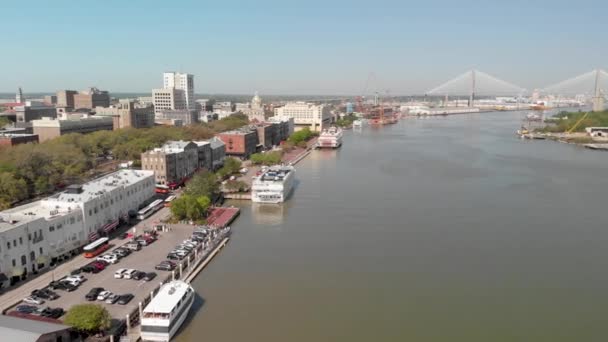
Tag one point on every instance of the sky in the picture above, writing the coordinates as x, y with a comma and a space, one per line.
296, 47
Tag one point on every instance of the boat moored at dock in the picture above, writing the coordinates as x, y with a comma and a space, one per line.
163, 316
274, 184
330, 138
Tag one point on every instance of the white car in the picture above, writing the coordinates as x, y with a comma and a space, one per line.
112, 259
33, 300
120, 273
79, 278
103, 295
129, 273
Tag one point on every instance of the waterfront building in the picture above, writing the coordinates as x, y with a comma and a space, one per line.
240, 143
203, 105
12, 139
218, 153
204, 154
127, 114
91, 98
285, 127
41, 233
268, 135
65, 98
168, 99
184, 82
48, 128
305, 114
29, 330
173, 163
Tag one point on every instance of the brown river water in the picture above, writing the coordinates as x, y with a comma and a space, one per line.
440, 229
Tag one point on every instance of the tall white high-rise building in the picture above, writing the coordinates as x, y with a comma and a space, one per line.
183, 82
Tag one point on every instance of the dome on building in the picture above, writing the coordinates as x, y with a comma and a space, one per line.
256, 102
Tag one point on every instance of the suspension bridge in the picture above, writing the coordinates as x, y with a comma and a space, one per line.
593, 84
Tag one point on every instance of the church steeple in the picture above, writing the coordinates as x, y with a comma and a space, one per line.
19, 97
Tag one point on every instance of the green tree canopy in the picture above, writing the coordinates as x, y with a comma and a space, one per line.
190, 207
268, 158
203, 183
89, 318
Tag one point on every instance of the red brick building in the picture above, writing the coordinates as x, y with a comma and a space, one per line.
241, 143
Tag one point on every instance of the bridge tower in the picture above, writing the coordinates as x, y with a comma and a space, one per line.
472, 95
598, 99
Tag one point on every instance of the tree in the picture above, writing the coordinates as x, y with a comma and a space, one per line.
88, 318
190, 207
268, 158
202, 184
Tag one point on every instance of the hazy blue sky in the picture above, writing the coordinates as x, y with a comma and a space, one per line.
296, 47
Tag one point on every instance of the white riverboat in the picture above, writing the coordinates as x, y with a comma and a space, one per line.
163, 316
274, 184
330, 138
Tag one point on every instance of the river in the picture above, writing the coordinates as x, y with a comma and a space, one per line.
439, 229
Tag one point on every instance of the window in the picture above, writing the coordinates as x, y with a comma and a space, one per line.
59, 226
14, 263
32, 256
41, 250
8, 245
23, 260
20, 241
29, 237
90, 212
14, 243
51, 229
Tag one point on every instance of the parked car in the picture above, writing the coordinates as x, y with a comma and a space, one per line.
62, 285
52, 313
45, 294
122, 252
33, 300
113, 298
76, 271
125, 299
90, 268
134, 246
26, 308
138, 275
93, 293
77, 278
109, 258
149, 276
103, 295
129, 273
164, 267
120, 273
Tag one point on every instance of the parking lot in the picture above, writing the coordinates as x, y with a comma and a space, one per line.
142, 260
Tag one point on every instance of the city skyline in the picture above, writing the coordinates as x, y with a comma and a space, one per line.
277, 48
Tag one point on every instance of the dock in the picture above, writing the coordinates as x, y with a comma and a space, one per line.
598, 147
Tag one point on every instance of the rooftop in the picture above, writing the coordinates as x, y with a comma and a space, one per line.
65, 202
167, 297
26, 330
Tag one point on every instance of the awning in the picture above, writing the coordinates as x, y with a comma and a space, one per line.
41, 259
3, 277
110, 226
18, 272
93, 236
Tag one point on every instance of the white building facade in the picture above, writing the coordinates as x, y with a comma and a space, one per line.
306, 114
44, 232
183, 82
168, 99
